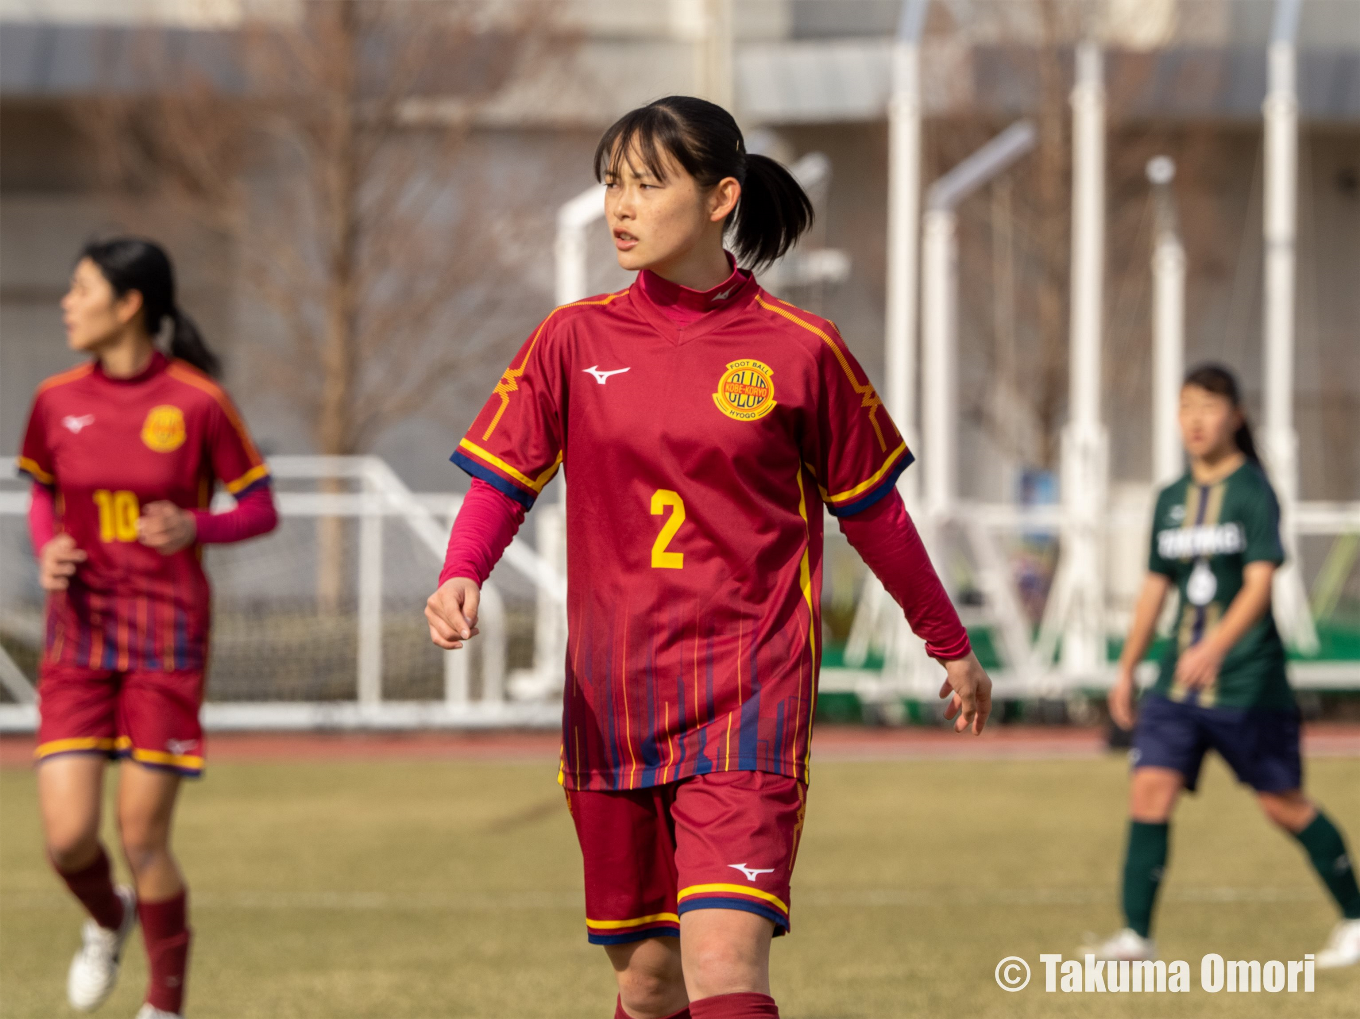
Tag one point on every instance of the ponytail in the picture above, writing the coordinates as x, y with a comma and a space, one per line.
703, 138
186, 343
1218, 379
134, 263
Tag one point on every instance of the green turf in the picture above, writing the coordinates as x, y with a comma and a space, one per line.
453, 889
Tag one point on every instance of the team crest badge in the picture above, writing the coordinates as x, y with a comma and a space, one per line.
164, 429
745, 390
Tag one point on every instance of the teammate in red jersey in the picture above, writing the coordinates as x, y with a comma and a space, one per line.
704, 423
125, 452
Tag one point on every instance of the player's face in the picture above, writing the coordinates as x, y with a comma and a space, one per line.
659, 221
92, 314
1208, 423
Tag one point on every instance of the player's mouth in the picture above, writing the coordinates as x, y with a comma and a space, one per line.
624, 241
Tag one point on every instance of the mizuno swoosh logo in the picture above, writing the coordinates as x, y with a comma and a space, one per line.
600, 376
750, 872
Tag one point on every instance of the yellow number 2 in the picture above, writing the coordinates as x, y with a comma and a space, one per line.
118, 513
661, 559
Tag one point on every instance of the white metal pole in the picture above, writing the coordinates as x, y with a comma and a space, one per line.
1168, 326
1084, 447
939, 417
904, 210
370, 598
1281, 197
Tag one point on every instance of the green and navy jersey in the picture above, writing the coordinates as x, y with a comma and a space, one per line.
1203, 536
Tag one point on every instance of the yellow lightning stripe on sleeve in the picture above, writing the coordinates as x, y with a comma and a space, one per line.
509, 382
248, 478
869, 396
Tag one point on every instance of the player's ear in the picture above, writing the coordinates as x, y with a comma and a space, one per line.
723, 198
127, 306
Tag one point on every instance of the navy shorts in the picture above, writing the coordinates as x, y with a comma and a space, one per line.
1261, 745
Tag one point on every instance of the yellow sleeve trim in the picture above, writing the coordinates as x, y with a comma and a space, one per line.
740, 889
524, 479
610, 925
864, 486
31, 467
248, 478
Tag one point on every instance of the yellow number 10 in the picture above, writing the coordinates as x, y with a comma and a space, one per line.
661, 559
118, 513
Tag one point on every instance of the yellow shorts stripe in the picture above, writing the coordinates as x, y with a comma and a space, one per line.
637, 921
738, 889
78, 743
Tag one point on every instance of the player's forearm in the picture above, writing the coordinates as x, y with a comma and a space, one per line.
1244, 612
1145, 613
889, 544
254, 515
486, 524
42, 516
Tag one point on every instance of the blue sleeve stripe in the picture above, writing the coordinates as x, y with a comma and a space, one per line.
485, 473
874, 494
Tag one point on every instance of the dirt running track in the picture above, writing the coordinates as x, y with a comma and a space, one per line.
832, 743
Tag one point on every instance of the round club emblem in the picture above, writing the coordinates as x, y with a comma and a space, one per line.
164, 429
1202, 585
745, 390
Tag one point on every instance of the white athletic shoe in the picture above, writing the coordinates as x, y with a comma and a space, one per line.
1127, 944
150, 1011
94, 970
1342, 948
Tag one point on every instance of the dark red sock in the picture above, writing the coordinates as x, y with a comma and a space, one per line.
746, 1005
165, 926
93, 886
619, 1013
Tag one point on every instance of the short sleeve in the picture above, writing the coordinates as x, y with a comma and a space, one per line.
515, 443
1261, 522
35, 456
1157, 563
235, 460
854, 448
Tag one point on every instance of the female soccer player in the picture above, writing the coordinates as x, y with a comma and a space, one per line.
1222, 686
700, 418
124, 452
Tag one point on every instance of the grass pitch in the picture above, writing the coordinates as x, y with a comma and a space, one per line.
406, 889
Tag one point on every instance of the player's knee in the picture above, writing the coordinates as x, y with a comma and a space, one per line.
143, 845
652, 983
723, 966
72, 850
1291, 812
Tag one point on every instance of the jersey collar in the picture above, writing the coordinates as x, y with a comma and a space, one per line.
653, 296
154, 367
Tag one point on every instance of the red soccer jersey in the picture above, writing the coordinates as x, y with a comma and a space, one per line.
694, 534
110, 446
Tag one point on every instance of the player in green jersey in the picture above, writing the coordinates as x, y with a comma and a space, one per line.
1222, 685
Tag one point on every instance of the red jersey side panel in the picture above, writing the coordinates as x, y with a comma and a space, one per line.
108, 447
695, 457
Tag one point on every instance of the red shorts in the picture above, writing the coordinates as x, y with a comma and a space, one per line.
151, 717
725, 840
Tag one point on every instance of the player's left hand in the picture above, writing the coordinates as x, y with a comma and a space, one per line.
971, 689
1198, 667
166, 528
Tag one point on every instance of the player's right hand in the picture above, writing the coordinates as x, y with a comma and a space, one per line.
57, 563
452, 612
1121, 701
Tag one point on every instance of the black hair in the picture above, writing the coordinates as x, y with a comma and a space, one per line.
1216, 378
773, 211
134, 263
